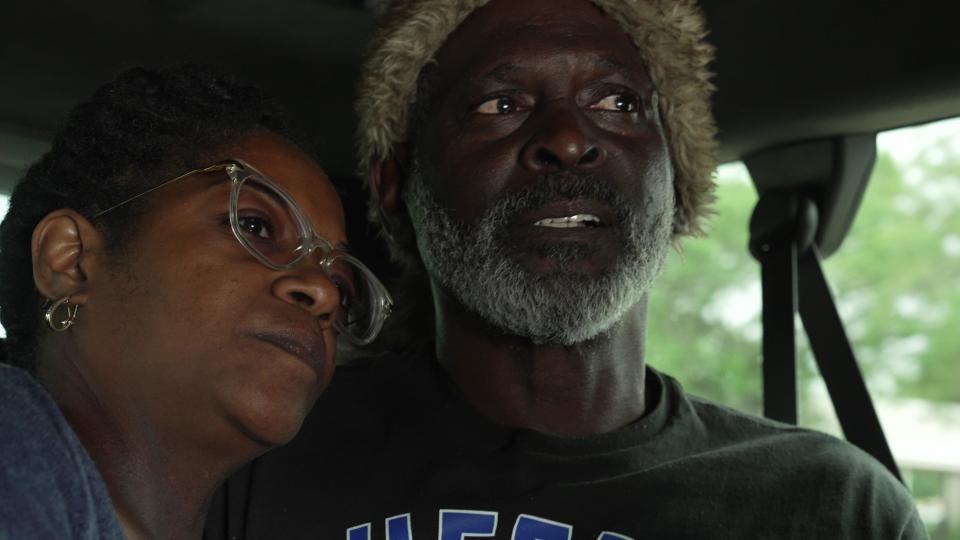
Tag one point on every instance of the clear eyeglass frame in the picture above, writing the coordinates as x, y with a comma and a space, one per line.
241, 172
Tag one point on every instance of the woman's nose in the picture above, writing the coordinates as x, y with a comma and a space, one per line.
310, 289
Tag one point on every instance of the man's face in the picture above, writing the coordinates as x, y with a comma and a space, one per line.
541, 189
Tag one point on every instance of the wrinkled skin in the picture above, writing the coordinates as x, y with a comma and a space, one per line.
521, 90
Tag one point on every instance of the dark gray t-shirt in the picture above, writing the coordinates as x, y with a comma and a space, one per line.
392, 451
49, 486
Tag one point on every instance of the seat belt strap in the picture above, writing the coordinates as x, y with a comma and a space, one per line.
837, 363
778, 272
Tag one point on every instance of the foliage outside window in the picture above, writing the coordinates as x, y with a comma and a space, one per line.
896, 280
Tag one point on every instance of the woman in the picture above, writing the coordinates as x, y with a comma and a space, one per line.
173, 285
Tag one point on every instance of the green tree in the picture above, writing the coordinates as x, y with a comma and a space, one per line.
897, 277
896, 281
704, 309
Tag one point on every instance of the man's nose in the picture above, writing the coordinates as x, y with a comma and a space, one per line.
562, 141
310, 289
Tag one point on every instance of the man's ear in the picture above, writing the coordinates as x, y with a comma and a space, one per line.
387, 179
61, 246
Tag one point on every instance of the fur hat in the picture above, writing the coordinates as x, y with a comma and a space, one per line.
669, 35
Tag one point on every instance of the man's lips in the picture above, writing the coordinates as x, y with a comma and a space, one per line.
568, 215
570, 222
307, 346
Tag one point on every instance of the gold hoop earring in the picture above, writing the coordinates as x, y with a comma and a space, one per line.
61, 326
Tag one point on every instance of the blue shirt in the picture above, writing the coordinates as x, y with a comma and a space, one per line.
49, 485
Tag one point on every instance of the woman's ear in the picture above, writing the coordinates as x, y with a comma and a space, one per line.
61, 246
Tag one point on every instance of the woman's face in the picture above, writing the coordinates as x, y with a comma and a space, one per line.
189, 331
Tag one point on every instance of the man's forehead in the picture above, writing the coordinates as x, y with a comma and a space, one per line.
506, 71
574, 19
539, 12
501, 38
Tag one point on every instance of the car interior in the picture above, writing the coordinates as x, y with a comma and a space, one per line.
803, 89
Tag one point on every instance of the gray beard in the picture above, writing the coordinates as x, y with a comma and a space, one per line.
565, 307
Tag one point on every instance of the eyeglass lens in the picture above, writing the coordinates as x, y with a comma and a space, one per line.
269, 226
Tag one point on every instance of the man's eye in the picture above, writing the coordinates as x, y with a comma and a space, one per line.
346, 295
618, 102
254, 227
497, 105
346, 292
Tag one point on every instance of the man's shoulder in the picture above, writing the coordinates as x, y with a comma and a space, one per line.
803, 471
749, 434
708, 427
712, 421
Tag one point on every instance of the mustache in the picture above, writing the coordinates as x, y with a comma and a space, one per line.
559, 186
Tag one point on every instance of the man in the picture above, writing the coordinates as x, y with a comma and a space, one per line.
536, 160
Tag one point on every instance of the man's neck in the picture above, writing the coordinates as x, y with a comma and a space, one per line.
594, 387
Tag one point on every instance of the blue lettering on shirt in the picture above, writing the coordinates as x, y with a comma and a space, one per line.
360, 532
535, 528
607, 535
398, 528
464, 524
461, 524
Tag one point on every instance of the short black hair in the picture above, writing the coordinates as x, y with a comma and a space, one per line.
142, 128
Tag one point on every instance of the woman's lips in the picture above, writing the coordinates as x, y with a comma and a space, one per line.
307, 346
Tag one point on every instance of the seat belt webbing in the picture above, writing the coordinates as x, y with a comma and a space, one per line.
837, 363
778, 273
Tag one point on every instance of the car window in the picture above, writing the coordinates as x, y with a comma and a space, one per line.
896, 280
705, 308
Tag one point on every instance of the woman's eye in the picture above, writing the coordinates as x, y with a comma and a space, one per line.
498, 105
627, 103
255, 227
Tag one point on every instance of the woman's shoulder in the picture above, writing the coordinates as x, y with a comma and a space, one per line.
24, 403
51, 488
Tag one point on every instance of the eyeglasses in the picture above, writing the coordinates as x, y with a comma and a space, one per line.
269, 224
